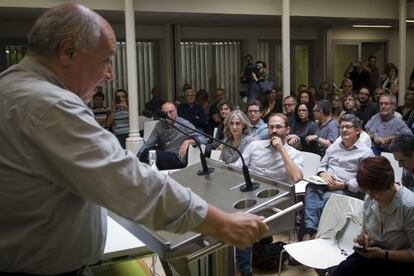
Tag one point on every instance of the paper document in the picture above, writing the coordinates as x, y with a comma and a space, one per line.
314, 179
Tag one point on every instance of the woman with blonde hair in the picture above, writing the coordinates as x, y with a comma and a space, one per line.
237, 134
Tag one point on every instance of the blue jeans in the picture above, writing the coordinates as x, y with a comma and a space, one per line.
244, 258
316, 197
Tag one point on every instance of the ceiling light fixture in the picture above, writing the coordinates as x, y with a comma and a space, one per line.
372, 26
409, 20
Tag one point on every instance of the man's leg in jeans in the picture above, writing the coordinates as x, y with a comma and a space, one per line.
169, 161
314, 203
244, 258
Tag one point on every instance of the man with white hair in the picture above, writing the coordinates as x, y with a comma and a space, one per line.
58, 166
385, 126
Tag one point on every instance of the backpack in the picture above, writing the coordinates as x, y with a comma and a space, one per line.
266, 254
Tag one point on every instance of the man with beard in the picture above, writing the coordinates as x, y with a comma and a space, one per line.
273, 157
367, 109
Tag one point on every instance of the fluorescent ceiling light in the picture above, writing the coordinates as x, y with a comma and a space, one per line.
409, 21
372, 26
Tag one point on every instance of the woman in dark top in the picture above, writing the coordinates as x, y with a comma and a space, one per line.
303, 125
272, 103
224, 108
406, 109
306, 97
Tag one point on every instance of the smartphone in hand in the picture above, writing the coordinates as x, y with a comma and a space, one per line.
359, 248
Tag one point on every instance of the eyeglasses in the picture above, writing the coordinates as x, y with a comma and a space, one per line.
316, 110
253, 111
276, 126
288, 104
346, 127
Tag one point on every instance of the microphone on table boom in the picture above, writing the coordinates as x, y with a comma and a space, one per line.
249, 185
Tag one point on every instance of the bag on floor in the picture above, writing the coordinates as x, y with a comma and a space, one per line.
266, 254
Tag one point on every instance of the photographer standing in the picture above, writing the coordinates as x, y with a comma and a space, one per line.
254, 82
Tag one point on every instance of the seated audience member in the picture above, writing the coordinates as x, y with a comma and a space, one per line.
272, 103
325, 91
347, 86
338, 169
224, 108
306, 97
387, 227
367, 109
402, 148
328, 131
191, 111
170, 144
303, 125
202, 100
120, 116
237, 134
378, 92
336, 107
390, 80
213, 113
312, 89
254, 113
289, 105
101, 113
384, 126
272, 158
350, 105
406, 109
156, 101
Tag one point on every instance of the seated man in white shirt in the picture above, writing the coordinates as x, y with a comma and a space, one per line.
274, 158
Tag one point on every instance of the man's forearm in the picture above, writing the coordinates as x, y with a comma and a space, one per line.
293, 171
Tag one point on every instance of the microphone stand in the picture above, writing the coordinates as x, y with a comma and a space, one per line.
205, 169
249, 185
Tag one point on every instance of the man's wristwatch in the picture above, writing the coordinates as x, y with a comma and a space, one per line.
317, 139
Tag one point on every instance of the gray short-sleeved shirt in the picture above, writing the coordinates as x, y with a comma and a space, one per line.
393, 227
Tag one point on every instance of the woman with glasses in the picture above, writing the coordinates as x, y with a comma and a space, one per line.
237, 134
302, 126
350, 105
387, 236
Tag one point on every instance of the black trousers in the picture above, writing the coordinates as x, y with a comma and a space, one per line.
357, 265
165, 160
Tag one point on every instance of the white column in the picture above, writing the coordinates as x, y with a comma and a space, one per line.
134, 142
403, 56
286, 47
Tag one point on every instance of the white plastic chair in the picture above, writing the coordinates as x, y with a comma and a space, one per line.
398, 171
311, 162
341, 221
148, 127
142, 120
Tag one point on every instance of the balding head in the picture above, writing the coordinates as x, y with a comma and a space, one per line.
67, 20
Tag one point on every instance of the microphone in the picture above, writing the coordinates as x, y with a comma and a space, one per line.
249, 185
163, 117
